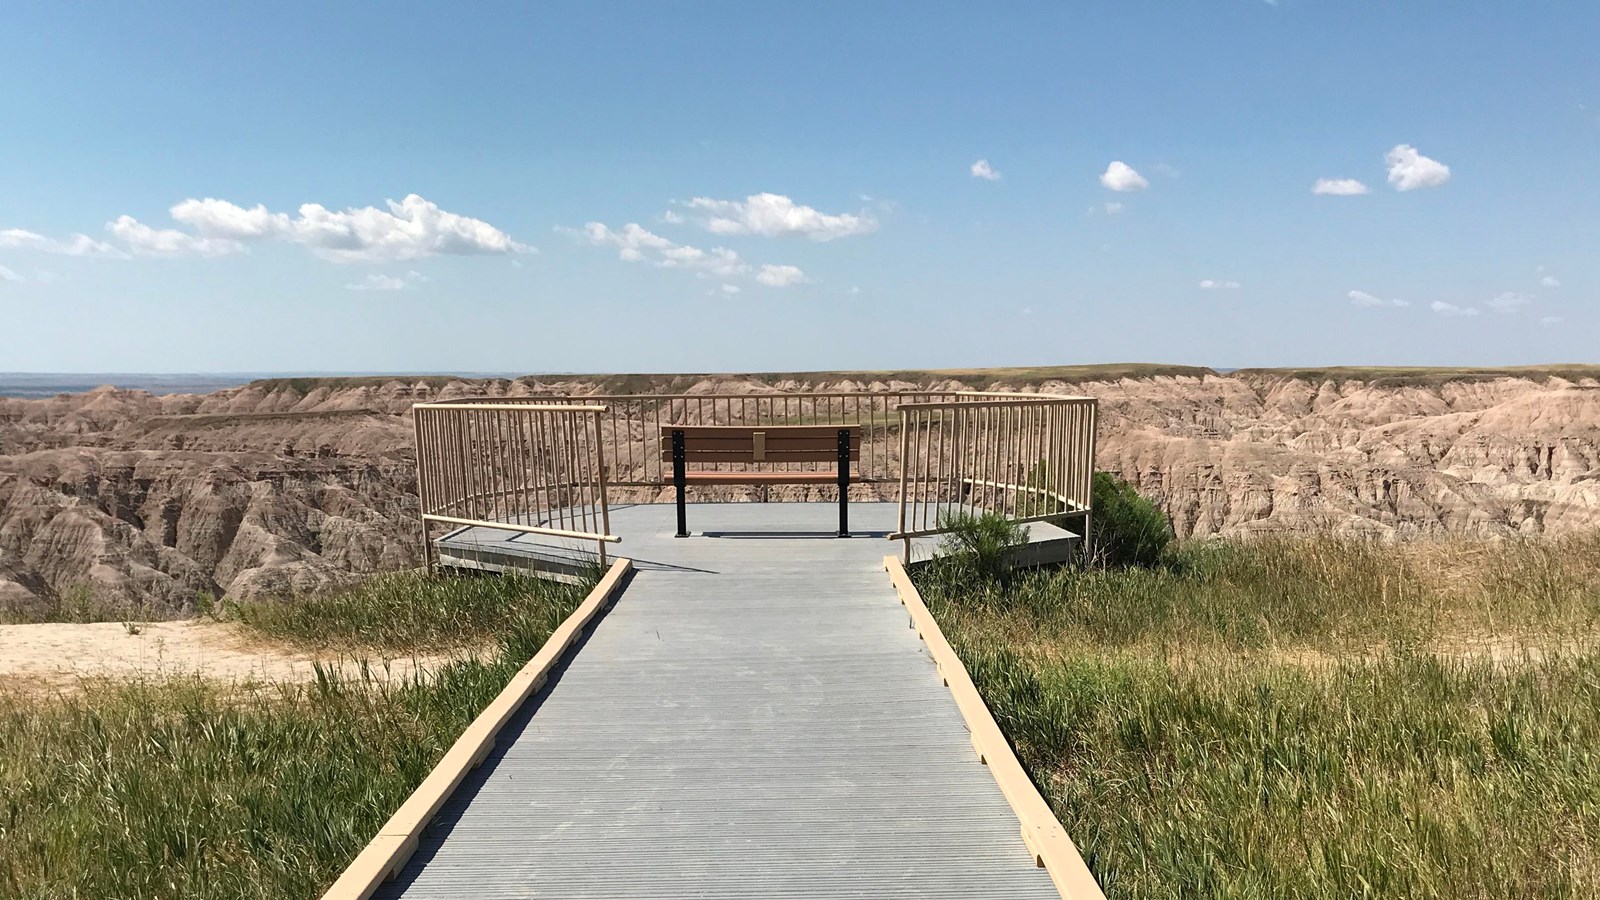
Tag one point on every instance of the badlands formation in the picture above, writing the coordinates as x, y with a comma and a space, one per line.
295, 484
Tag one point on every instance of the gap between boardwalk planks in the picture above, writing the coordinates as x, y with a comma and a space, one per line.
388, 852
1051, 846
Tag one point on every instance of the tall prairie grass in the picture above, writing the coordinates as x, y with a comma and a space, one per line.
1307, 717
187, 788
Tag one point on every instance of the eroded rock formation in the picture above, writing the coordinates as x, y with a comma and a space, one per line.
294, 484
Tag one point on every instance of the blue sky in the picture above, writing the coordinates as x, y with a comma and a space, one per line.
800, 178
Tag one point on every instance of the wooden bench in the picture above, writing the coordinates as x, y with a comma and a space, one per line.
761, 444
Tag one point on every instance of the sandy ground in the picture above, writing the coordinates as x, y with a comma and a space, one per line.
58, 655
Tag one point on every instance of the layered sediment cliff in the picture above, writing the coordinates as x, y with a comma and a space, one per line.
295, 484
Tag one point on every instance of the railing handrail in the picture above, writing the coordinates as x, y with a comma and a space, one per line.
479, 402
497, 403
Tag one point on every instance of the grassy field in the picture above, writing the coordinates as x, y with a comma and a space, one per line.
1307, 718
187, 788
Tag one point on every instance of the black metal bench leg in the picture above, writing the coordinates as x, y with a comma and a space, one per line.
680, 480
844, 483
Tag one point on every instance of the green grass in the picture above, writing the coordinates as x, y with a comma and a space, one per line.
1307, 718
186, 788
404, 611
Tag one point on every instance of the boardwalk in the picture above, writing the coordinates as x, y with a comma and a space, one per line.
752, 719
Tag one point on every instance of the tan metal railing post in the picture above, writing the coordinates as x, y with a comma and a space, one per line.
422, 490
600, 487
904, 462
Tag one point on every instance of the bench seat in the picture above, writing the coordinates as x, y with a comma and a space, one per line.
750, 445
761, 477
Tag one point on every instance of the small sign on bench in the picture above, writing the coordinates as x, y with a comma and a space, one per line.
761, 445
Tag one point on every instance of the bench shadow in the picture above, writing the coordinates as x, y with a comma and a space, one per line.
437, 832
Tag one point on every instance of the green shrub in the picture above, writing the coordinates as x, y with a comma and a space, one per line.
981, 545
1129, 530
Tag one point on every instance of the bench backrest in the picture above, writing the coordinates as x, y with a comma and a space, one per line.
760, 443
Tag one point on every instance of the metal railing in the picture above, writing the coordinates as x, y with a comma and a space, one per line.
542, 464
537, 468
1028, 458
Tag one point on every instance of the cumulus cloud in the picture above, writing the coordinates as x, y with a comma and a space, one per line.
780, 276
1362, 298
774, 215
378, 282
1338, 187
982, 169
1119, 176
1450, 309
77, 245
1212, 284
8, 275
635, 243
1509, 302
220, 219
168, 242
412, 228
731, 289
1409, 170
1550, 281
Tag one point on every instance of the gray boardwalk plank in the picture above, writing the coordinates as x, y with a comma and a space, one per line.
752, 719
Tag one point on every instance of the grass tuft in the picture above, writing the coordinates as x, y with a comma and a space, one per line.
404, 611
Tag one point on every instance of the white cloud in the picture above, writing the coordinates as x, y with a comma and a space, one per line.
1119, 176
1509, 302
1338, 187
378, 282
147, 241
1362, 298
780, 276
220, 219
1450, 309
8, 275
635, 243
1409, 170
982, 169
855, 289
1113, 208
412, 228
1550, 281
1212, 284
731, 289
77, 245
1549, 320
774, 215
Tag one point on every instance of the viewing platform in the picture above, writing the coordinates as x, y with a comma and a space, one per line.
748, 705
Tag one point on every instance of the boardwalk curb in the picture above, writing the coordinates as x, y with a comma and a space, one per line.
1052, 848
389, 851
